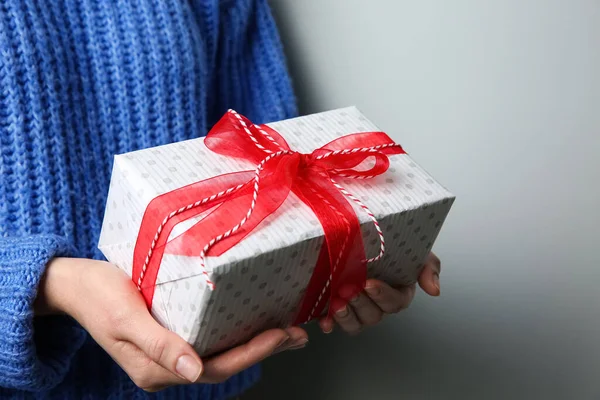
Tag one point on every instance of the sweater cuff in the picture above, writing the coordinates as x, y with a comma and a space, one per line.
35, 354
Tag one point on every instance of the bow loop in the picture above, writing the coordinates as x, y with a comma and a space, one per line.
235, 136
360, 155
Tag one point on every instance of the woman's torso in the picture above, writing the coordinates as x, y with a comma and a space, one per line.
82, 80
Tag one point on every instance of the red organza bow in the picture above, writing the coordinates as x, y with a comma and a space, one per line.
239, 201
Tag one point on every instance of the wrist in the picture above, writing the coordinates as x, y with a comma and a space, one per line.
57, 286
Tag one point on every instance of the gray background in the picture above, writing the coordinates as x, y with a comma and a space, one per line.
499, 100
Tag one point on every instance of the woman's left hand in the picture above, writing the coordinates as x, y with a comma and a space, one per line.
379, 299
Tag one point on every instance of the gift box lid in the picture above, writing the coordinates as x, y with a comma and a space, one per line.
140, 176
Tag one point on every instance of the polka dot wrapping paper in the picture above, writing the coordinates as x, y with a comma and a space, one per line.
260, 281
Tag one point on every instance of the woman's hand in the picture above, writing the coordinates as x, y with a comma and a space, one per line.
379, 299
106, 303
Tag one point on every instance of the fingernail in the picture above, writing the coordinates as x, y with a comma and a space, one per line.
299, 344
327, 325
283, 342
342, 312
354, 299
282, 345
373, 290
188, 367
436, 281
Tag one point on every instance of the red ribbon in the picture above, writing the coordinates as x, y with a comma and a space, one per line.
340, 272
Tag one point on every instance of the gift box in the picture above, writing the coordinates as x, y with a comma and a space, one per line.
229, 242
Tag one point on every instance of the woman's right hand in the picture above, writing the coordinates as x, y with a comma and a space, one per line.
104, 300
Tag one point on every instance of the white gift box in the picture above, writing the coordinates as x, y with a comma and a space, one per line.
260, 282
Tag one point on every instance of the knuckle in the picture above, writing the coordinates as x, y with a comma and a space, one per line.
358, 302
344, 317
156, 347
149, 383
153, 389
143, 382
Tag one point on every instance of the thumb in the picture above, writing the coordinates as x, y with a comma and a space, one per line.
429, 279
164, 347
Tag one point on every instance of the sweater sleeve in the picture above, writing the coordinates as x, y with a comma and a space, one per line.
35, 354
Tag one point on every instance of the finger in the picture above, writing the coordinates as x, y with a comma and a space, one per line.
164, 347
367, 312
346, 319
429, 279
326, 324
143, 371
388, 299
298, 338
242, 357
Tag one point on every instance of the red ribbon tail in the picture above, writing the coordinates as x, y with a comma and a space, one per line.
166, 211
340, 273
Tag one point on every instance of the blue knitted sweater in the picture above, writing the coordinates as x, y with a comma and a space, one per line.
82, 80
